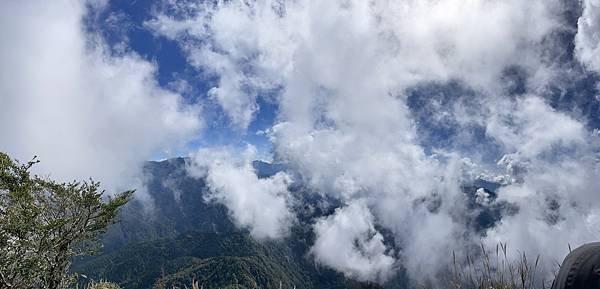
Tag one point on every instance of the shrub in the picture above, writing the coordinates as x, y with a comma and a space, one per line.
44, 224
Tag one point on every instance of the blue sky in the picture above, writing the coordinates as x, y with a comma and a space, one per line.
123, 22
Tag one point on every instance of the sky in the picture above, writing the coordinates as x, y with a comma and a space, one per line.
389, 107
124, 25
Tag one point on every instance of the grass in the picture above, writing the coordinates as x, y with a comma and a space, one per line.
102, 285
195, 285
495, 271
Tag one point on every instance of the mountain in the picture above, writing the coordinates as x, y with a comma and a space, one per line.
180, 237
176, 205
215, 261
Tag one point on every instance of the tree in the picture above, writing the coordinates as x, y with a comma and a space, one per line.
44, 224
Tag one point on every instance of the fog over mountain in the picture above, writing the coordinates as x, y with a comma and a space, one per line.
412, 116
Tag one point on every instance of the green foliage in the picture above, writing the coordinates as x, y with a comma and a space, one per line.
212, 259
43, 224
229, 260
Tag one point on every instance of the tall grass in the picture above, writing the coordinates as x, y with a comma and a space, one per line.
494, 270
195, 285
102, 285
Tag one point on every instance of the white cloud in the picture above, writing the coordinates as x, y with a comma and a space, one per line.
587, 41
549, 221
84, 112
482, 197
262, 205
531, 127
400, 42
348, 242
555, 191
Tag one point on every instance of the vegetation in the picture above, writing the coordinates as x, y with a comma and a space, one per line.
179, 206
214, 260
496, 271
102, 285
44, 224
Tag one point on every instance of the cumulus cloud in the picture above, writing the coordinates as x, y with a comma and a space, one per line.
348, 241
531, 127
482, 197
260, 204
587, 41
343, 70
84, 112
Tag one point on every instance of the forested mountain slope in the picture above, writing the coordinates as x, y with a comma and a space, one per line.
179, 236
182, 237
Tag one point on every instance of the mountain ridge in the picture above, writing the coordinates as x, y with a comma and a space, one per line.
159, 245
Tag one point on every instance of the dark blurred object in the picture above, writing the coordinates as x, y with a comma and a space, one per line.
580, 269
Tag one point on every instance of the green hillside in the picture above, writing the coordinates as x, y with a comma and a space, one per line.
232, 260
184, 237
